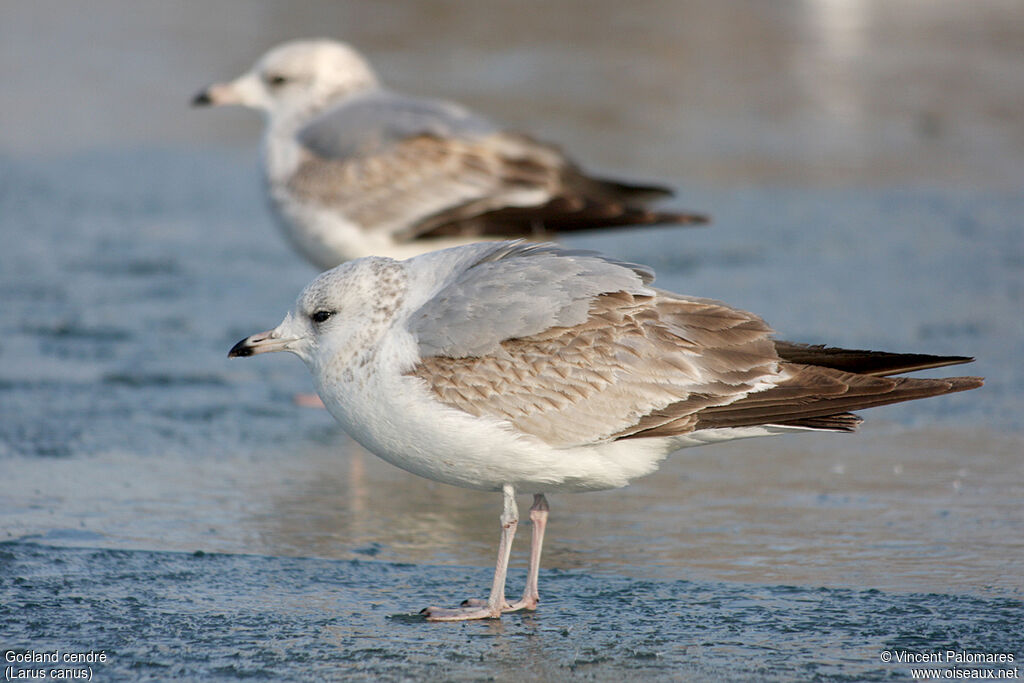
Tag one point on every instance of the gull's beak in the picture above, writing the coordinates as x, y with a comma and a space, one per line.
202, 98
244, 91
263, 342
217, 94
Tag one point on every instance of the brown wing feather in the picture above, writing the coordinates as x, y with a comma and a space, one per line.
603, 378
813, 397
560, 215
663, 365
843, 422
802, 397
419, 177
498, 185
575, 201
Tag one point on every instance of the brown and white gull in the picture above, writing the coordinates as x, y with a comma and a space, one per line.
506, 366
354, 169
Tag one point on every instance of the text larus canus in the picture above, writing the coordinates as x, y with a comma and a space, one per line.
354, 169
507, 366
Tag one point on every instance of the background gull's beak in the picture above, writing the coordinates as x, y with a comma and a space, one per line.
244, 90
217, 94
202, 98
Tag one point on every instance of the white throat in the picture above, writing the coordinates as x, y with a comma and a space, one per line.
281, 150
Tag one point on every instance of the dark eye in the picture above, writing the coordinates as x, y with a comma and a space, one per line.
275, 79
321, 316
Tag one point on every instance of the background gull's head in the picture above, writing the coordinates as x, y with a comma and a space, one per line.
295, 79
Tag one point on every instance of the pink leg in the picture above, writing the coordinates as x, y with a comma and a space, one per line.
307, 401
496, 602
539, 518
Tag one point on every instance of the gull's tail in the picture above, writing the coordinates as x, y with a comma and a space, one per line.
823, 385
826, 383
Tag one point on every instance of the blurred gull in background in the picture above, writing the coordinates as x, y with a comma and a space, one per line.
354, 169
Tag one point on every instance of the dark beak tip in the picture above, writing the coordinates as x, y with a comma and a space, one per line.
241, 349
202, 99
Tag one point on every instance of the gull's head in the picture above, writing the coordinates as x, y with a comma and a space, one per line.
339, 318
298, 78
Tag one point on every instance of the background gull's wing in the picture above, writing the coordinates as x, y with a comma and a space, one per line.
415, 186
366, 125
416, 167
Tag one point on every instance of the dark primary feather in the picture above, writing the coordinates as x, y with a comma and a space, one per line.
557, 216
863, 362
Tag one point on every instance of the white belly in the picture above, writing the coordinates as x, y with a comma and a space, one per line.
323, 236
407, 427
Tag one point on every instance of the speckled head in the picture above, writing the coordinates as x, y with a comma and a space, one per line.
338, 317
370, 287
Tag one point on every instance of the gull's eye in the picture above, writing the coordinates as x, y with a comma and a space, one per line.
320, 316
275, 79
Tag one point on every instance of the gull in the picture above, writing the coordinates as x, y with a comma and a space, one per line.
354, 169
509, 366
